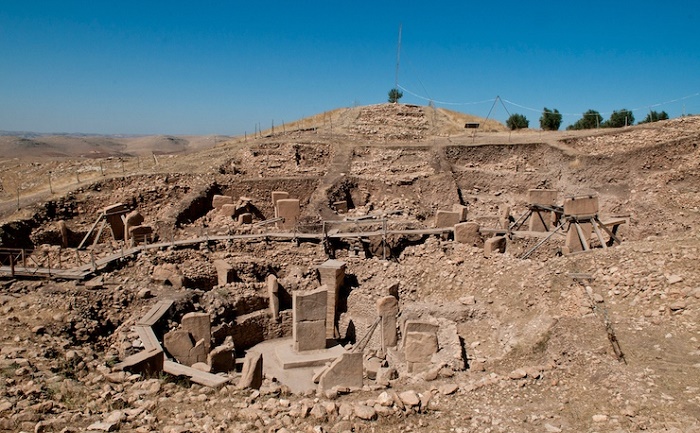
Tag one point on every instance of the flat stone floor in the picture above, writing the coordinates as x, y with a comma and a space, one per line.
296, 370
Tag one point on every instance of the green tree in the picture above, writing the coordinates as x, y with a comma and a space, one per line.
591, 119
654, 116
618, 119
517, 121
550, 120
394, 95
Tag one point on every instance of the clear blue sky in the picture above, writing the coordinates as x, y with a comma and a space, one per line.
157, 67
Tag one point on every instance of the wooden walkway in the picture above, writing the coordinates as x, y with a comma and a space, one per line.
83, 271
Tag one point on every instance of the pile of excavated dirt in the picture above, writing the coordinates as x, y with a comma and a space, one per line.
605, 340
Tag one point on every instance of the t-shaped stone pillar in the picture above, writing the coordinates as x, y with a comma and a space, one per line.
332, 274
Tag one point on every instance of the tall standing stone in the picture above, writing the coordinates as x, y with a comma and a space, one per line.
273, 295
199, 325
332, 275
309, 317
388, 309
113, 214
252, 373
224, 272
289, 210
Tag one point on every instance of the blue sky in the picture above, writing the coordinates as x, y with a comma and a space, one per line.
218, 67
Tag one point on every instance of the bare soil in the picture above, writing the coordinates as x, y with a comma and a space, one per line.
402, 163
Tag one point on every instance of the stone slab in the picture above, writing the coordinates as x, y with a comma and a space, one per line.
206, 379
345, 371
420, 346
219, 200
228, 210
496, 244
310, 305
252, 373
289, 210
199, 325
581, 206
468, 233
545, 197
309, 335
278, 195
291, 359
445, 218
461, 210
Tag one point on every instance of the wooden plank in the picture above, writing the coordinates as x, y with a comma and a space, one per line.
155, 313
148, 338
82, 243
144, 362
196, 376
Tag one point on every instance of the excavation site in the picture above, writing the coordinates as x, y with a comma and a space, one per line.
384, 268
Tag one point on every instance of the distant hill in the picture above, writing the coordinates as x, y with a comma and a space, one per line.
382, 122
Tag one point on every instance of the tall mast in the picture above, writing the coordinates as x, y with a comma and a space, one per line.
398, 59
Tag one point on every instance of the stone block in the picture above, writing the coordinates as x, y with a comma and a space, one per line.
445, 218
545, 197
468, 233
220, 200
581, 206
309, 335
179, 344
573, 240
252, 373
228, 210
278, 195
222, 359
310, 305
289, 209
224, 272
245, 218
309, 319
420, 346
496, 244
462, 210
345, 371
199, 325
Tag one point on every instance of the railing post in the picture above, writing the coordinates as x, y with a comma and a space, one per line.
12, 264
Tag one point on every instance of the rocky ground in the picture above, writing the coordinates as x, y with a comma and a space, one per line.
536, 333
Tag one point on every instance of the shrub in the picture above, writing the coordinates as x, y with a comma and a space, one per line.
394, 95
517, 121
618, 119
590, 119
550, 120
654, 116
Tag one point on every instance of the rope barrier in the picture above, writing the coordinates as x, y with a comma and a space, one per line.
524, 107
